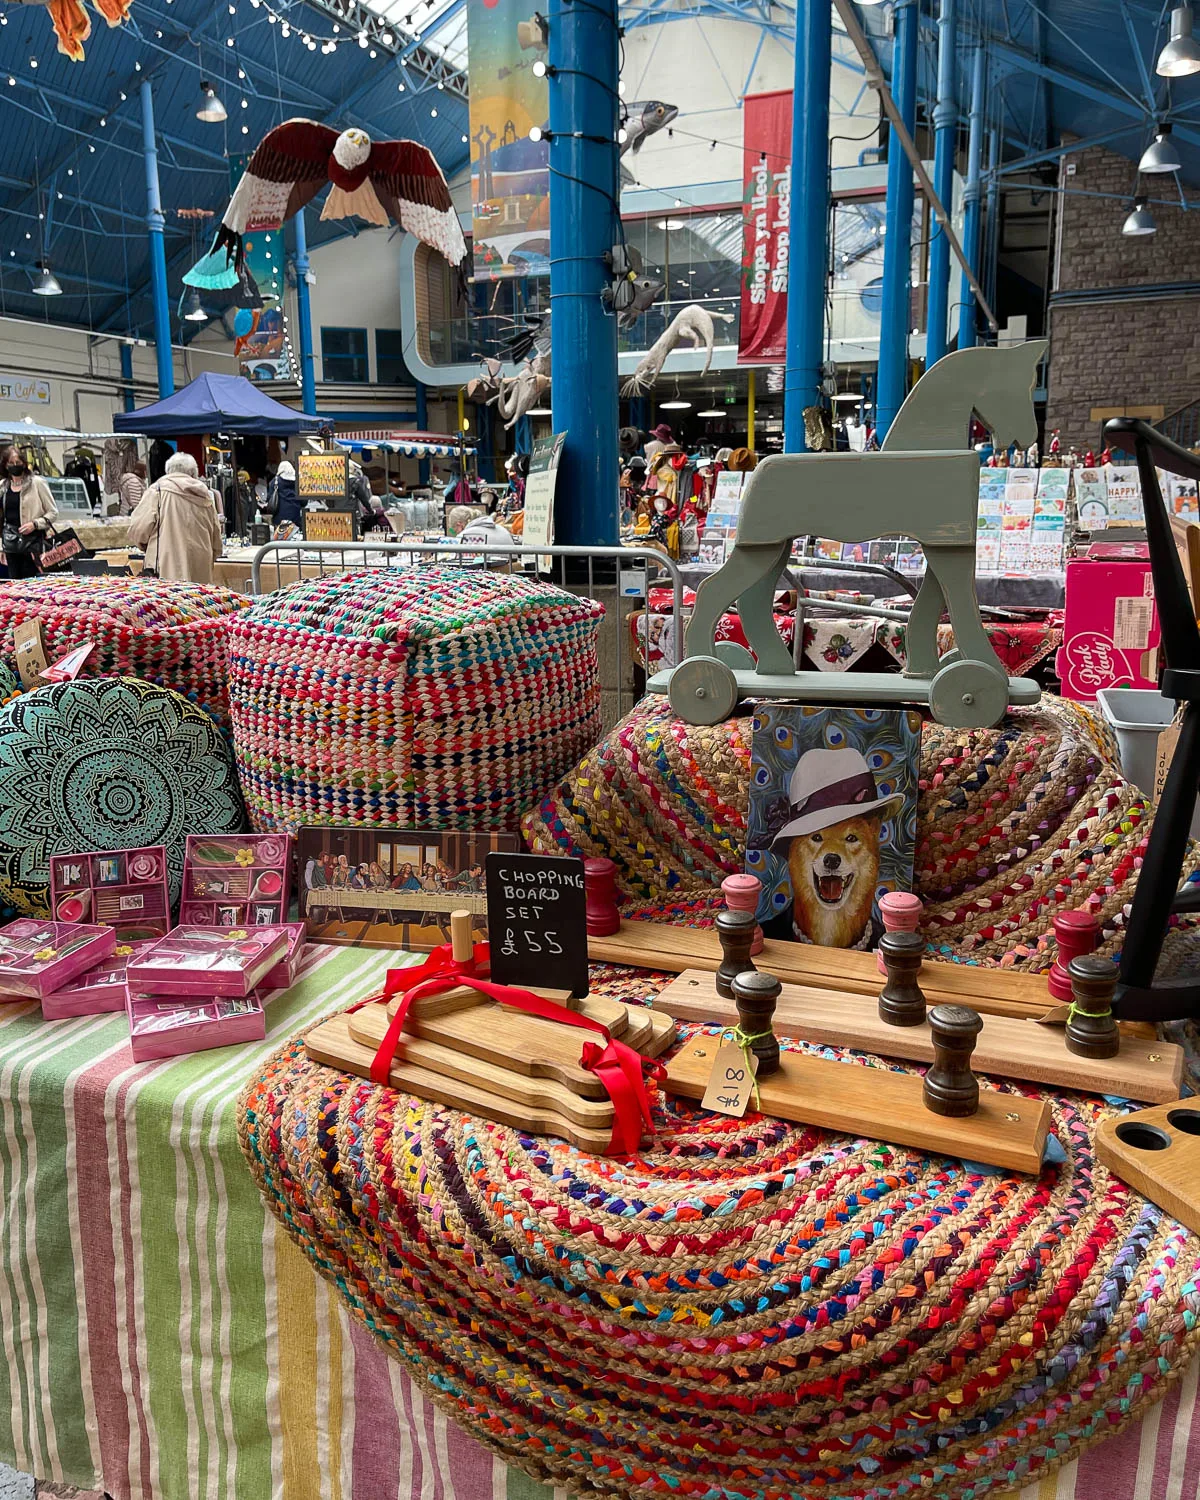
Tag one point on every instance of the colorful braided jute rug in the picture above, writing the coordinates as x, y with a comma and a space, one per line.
1013, 824
749, 1311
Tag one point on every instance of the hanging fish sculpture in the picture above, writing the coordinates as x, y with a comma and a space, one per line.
72, 24
643, 120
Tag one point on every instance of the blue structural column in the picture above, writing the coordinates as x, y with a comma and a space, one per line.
993, 217
583, 215
127, 377
897, 246
308, 383
158, 255
808, 243
945, 125
970, 238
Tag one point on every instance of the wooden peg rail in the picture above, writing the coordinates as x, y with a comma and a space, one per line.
1007, 1047
996, 992
1006, 1130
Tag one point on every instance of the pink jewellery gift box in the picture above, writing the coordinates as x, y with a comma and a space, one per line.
38, 957
285, 971
205, 962
162, 1027
236, 879
101, 989
124, 888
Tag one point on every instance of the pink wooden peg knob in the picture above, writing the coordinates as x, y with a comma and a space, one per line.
901, 912
1077, 933
741, 894
600, 884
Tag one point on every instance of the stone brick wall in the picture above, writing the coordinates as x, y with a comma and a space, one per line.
1133, 350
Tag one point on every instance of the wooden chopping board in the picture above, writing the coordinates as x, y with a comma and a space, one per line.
507, 1039
536, 1105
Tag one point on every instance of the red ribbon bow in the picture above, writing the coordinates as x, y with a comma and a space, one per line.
618, 1067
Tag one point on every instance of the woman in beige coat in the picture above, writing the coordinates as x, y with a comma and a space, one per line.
28, 507
176, 522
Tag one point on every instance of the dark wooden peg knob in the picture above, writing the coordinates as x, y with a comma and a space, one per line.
600, 886
902, 1001
755, 995
950, 1087
736, 932
1092, 1027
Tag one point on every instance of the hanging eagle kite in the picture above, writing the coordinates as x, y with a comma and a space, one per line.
72, 24
373, 180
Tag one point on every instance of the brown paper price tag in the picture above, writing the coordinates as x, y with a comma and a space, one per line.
30, 652
1164, 755
731, 1081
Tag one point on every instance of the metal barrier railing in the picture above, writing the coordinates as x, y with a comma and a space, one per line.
309, 559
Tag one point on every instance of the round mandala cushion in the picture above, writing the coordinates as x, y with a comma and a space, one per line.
106, 763
750, 1310
1012, 823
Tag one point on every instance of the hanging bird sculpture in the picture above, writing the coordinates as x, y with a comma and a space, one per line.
373, 180
72, 24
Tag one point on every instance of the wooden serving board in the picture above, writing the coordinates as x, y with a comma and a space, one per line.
1157, 1151
465, 998
1006, 1131
1152, 1071
495, 1095
508, 1039
994, 992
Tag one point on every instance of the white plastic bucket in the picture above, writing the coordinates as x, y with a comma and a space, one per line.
1139, 716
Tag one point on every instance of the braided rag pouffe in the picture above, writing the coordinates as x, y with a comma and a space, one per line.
1013, 824
751, 1310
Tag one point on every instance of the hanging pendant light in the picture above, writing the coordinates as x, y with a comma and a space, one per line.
193, 308
210, 107
45, 283
1140, 220
1181, 56
1160, 155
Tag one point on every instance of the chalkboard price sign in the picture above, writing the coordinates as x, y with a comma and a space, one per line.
537, 921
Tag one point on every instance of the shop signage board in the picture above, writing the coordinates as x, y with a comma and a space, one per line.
766, 214
24, 389
539, 490
323, 476
537, 921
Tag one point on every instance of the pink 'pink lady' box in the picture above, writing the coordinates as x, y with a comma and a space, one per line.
208, 961
160, 1027
38, 957
285, 971
1110, 627
101, 989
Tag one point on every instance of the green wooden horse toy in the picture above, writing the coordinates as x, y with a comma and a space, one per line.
924, 483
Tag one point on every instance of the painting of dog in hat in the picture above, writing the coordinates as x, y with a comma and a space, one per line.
833, 818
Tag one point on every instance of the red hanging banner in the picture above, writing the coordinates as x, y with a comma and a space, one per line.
766, 212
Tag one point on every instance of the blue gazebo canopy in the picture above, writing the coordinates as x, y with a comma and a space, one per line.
216, 403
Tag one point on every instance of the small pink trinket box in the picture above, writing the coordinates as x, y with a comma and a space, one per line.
285, 971
101, 989
236, 879
38, 957
208, 961
160, 1027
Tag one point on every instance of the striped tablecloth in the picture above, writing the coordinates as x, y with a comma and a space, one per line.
161, 1337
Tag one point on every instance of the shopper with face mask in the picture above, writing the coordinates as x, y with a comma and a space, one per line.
29, 509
